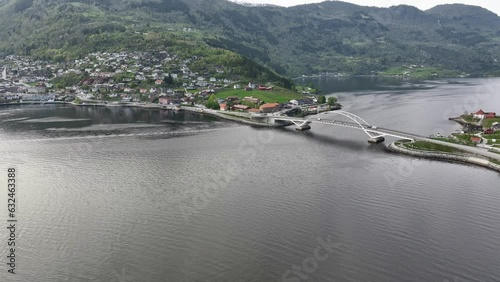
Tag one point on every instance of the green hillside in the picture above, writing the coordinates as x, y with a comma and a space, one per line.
306, 39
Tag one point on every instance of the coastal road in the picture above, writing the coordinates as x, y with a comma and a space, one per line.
480, 151
473, 150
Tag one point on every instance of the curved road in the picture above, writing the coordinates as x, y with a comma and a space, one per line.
473, 150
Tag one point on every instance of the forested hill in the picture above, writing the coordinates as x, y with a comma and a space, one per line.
306, 39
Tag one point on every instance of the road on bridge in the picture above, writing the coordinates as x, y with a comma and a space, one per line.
360, 124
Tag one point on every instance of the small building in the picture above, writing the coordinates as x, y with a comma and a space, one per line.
476, 140
490, 115
495, 126
479, 114
301, 102
253, 111
270, 108
232, 98
251, 100
38, 97
224, 107
264, 88
488, 131
483, 115
240, 107
159, 82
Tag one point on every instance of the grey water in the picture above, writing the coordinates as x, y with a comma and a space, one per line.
123, 194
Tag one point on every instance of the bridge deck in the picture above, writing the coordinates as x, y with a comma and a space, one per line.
376, 131
380, 131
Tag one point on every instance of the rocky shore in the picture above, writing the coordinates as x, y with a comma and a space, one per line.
468, 159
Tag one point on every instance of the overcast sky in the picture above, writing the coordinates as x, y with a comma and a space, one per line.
492, 5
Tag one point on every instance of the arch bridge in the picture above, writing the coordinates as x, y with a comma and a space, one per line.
375, 134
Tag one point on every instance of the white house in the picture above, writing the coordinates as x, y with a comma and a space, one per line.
496, 126
479, 114
38, 97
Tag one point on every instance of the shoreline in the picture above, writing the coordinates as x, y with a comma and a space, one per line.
389, 76
228, 117
36, 103
147, 106
446, 157
393, 147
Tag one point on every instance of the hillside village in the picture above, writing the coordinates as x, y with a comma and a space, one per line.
140, 77
108, 75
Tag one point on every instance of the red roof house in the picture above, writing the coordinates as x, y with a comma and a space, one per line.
241, 107
490, 115
164, 100
270, 108
256, 111
483, 115
475, 139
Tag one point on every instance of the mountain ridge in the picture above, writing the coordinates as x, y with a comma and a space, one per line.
331, 36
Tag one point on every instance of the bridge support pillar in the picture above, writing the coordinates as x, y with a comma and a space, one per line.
376, 140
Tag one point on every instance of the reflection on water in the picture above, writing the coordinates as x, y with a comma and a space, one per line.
376, 83
52, 120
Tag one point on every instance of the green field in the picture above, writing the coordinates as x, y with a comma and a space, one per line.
488, 122
470, 119
300, 88
463, 139
278, 95
490, 138
431, 147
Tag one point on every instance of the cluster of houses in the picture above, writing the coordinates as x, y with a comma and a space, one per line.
127, 76
13, 92
253, 105
157, 77
482, 115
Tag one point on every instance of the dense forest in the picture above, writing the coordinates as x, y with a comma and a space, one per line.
306, 39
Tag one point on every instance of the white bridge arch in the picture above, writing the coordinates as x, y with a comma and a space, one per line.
356, 123
363, 124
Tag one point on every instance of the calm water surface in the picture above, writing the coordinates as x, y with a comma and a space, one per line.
136, 195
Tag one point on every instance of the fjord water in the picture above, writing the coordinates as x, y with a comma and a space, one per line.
120, 194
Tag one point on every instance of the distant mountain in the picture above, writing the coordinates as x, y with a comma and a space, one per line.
326, 37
